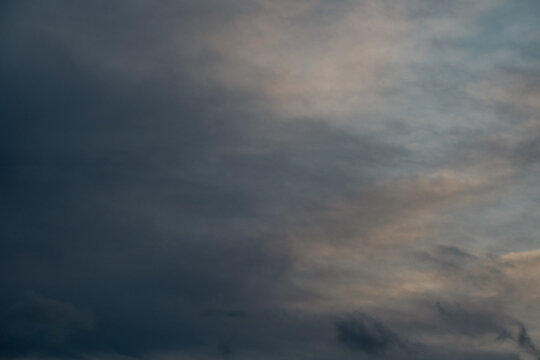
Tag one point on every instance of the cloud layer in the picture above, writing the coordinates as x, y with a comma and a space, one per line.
269, 180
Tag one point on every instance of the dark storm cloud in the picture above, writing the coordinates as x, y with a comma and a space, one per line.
139, 195
85, 155
366, 334
225, 350
160, 179
42, 325
233, 314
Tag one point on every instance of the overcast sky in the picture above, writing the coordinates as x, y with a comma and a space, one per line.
262, 179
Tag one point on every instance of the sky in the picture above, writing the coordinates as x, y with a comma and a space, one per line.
265, 180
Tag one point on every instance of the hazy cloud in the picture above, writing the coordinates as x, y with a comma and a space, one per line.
209, 179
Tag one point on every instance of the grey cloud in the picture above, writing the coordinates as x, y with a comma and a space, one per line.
366, 334
141, 195
446, 257
43, 325
225, 350
152, 207
477, 322
473, 323
233, 314
525, 342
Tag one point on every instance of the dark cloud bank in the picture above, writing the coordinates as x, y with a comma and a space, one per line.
363, 333
140, 210
144, 212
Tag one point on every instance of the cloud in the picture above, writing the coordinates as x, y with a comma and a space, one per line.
447, 257
521, 272
525, 342
144, 196
370, 231
216, 179
472, 323
368, 335
480, 322
233, 314
351, 49
42, 325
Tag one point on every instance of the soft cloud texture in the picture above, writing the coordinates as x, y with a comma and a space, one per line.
269, 180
